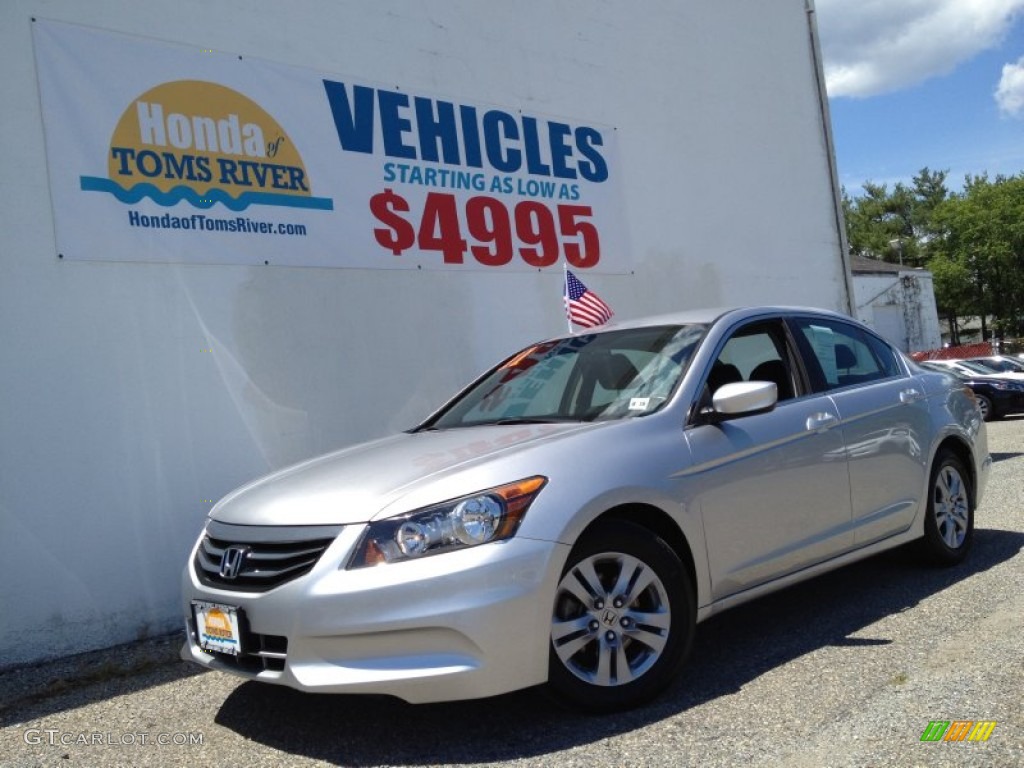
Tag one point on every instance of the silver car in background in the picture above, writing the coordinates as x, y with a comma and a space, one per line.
572, 515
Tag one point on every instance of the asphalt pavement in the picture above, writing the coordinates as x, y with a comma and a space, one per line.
847, 670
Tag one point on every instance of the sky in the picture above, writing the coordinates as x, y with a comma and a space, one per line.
924, 83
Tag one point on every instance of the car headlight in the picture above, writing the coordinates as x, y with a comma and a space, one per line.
490, 515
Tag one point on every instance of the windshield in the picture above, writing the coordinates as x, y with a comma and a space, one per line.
943, 369
976, 367
1004, 365
608, 375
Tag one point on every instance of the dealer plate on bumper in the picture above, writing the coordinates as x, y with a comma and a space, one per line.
217, 627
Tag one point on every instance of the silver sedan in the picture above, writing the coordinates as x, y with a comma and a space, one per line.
572, 515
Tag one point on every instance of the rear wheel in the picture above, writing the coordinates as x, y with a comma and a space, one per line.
949, 523
623, 619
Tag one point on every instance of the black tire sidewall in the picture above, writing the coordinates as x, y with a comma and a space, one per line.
628, 538
990, 413
937, 551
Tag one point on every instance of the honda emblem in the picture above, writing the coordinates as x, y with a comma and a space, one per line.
232, 559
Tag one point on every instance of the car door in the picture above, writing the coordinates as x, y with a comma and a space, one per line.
772, 488
884, 420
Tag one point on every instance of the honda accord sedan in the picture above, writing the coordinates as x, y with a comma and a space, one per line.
573, 514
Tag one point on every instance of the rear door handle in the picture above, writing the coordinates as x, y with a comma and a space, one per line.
910, 395
819, 422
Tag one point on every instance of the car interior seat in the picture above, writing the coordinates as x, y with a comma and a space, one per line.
615, 371
775, 372
723, 373
845, 359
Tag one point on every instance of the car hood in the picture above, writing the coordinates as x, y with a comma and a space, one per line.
365, 481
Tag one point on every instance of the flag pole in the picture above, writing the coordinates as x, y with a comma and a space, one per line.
565, 296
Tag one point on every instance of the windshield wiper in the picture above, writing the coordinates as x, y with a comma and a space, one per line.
511, 421
529, 420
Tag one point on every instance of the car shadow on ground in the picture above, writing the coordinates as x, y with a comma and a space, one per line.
730, 650
997, 457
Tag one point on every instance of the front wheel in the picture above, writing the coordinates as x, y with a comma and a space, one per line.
988, 411
623, 619
949, 521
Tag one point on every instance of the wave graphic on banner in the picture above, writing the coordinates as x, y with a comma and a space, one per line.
205, 201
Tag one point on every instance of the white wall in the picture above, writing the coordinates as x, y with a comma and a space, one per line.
899, 306
134, 394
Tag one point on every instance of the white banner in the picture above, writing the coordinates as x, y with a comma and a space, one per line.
168, 153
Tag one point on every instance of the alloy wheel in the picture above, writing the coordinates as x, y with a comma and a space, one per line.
611, 620
951, 506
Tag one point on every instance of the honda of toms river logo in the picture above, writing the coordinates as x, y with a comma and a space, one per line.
203, 143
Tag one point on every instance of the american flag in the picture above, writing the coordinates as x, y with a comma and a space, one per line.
584, 307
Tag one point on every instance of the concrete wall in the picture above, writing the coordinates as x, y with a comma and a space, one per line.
133, 395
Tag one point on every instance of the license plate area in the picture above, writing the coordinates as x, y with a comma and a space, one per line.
218, 627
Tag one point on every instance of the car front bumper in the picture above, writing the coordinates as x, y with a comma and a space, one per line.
459, 625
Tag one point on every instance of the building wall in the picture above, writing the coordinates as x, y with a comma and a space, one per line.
899, 306
136, 394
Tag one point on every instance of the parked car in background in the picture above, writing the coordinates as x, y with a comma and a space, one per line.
996, 395
571, 515
1000, 363
974, 368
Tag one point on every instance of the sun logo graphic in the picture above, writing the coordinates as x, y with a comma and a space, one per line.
203, 143
217, 625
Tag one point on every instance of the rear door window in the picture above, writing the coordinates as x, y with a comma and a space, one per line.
841, 355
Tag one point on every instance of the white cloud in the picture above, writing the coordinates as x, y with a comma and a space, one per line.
877, 46
1010, 93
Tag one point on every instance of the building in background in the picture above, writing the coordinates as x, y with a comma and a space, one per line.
240, 234
898, 302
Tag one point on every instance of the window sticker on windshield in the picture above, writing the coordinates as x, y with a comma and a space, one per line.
639, 403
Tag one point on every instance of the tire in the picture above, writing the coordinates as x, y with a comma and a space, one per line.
988, 411
623, 619
949, 519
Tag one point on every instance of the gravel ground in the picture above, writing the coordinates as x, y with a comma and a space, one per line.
846, 670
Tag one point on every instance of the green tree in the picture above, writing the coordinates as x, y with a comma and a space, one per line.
897, 225
954, 291
929, 192
979, 251
971, 241
875, 220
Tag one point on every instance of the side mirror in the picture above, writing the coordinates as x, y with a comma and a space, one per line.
743, 398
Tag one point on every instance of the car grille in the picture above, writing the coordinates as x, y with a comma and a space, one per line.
269, 652
266, 557
266, 653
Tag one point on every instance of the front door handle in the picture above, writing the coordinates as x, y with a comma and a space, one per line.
819, 422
